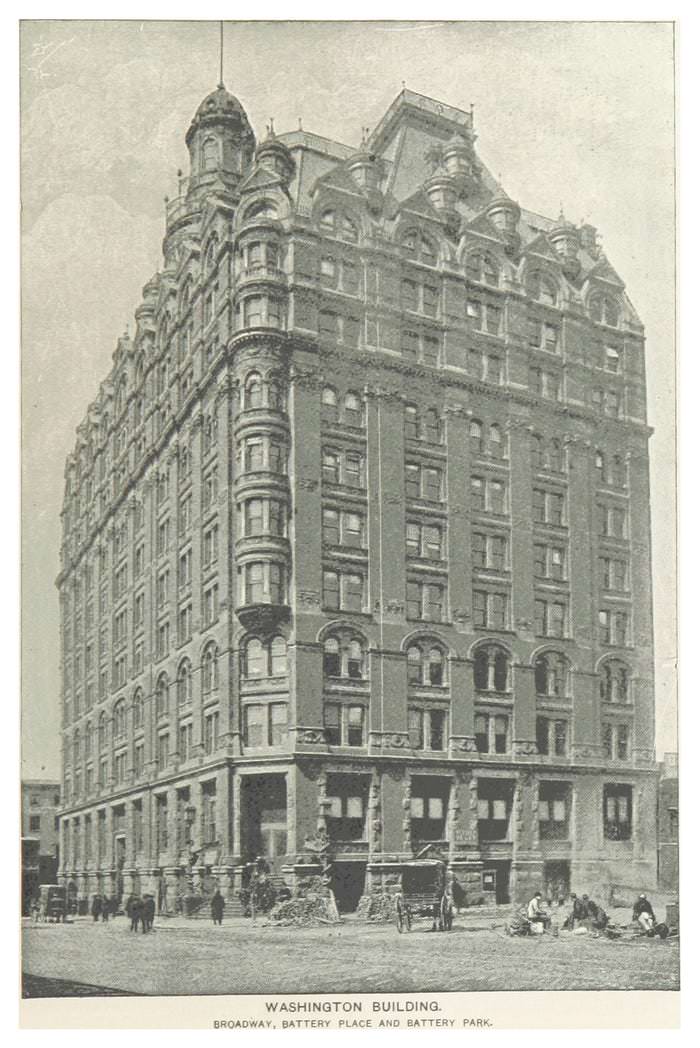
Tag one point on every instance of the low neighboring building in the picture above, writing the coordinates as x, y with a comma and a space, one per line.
668, 822
41, 799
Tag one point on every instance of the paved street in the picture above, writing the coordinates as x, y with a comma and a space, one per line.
195, 957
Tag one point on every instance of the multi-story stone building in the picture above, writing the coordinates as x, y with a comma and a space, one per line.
356, 547
667, 828
41, 801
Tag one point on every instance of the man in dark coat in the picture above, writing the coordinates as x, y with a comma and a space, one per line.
595, 914
643, 914
105, 908
136, 912
96, 907
148, 912
217, 907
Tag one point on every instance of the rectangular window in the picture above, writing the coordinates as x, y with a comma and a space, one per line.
211, 732
412, 481
617, 812
331, 590
331, 527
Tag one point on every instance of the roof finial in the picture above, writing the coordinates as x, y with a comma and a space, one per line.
403, 85
221, 54
300, 127
272, 127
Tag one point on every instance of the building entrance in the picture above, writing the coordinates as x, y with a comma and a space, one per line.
502, 870
264, 819
557, 879
348, 884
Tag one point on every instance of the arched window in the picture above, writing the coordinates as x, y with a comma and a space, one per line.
261, 210
495, 441
426, 664
254, 661
329, 404
327, 220
476, 436
482, 269
253, 391
411, 422
432, 427
419, 248
210, 154
278, 657
184, 683
210, 669
541, 287
353, 410
137, 716
491, 668
556, 456
162, 696
331, 657
552, 676
344, 655
119, 718
615, 682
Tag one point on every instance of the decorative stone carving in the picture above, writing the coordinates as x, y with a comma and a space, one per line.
524, 748
311, 736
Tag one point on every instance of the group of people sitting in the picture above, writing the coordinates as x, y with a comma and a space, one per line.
140, 911
586, 913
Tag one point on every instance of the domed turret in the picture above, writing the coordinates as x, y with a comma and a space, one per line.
565, 240
505, 215
220, 139
275, 156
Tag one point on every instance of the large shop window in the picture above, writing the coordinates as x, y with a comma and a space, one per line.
428, 806
494, 806
346, 811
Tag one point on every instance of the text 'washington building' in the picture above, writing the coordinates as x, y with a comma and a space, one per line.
356, 542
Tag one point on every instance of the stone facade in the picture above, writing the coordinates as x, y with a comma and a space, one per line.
356, 546
41, 802
668, 823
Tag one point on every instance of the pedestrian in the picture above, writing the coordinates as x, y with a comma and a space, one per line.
136, 912
148, 912
96, 907
578, 912
643, 914
595, 915
105, 909
535, 913
217, 907
129, 904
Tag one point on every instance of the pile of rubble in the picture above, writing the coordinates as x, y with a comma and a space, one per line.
377, 907
312, 908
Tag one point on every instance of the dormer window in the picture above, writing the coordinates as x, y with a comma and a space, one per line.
418, 248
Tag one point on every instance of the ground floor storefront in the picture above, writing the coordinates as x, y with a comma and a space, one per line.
501, 831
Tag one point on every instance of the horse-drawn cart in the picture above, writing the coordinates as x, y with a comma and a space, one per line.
424, 894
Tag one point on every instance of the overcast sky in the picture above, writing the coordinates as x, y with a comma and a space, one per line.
569, 114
